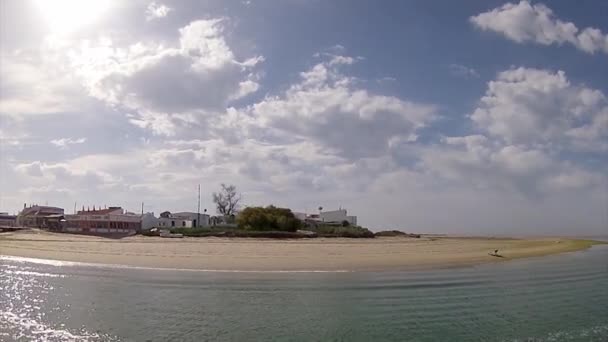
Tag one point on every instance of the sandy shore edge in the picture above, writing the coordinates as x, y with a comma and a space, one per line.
263, 255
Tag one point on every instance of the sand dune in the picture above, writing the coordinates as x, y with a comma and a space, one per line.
262, 254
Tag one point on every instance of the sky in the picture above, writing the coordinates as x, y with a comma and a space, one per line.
468, 117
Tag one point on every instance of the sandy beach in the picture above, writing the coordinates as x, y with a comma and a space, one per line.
280, 255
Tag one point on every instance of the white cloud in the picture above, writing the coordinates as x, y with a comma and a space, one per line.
64, 174
327, 107
525, 22
491, 166
163, 84
64, 142
157, 11
532, 106
463, 71
35, 84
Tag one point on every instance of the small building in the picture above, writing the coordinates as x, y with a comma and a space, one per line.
332, 217
194, 217
184, 219
39, 216
110, 221
7, 220
337, 216
175, 222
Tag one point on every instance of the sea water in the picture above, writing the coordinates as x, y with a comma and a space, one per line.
555, 298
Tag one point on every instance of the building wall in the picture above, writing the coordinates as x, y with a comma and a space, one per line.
352, 220
35, 216
337, 216
173, 222
8, 221
103, 224
190, 216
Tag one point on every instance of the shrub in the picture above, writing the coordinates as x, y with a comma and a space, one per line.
339, 231
270, 218
392, 233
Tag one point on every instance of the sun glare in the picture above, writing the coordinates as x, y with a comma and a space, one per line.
65, 16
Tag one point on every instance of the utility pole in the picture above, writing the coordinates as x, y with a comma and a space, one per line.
198, 210
142, 208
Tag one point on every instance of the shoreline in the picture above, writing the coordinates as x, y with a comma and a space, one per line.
279, 256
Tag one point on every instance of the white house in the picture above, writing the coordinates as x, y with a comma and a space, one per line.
190, 216
183, 219
174, 222
331, 217
337, 216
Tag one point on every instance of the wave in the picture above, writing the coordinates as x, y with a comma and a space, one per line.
61, 263
19, 327
595, 333
32, 273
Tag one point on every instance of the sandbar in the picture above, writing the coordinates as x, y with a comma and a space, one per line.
247, 254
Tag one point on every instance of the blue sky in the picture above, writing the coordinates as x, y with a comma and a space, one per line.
479, 117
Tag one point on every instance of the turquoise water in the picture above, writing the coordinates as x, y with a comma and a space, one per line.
556, 298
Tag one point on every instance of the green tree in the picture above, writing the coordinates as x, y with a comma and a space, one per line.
267, 219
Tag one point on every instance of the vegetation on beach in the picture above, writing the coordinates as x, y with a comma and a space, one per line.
392, 233
340, 231
273, 231
270, 218
232, 232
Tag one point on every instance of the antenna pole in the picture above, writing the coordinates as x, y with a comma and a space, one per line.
198, 210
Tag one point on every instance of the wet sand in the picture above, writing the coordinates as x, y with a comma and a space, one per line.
321, 254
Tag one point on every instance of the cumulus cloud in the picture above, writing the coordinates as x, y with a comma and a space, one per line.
525, 22
64, 142
157, 11
534, 106
488, 165
528, 120
63, 174
24, 73
326, 105
162, 84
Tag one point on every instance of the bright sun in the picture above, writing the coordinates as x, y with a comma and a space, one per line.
65, 16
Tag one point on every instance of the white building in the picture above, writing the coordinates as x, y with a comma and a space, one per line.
173, 222
330, 217
337, 216
178, 220
190, 216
